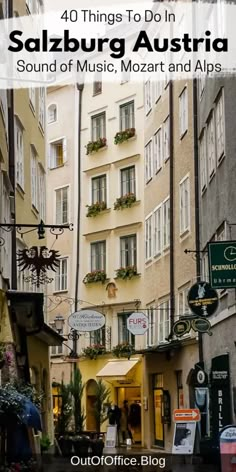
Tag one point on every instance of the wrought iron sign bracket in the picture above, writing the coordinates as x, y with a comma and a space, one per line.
24, 228
189, 251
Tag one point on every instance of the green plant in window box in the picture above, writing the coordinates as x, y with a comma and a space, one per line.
126, 201
94, 146
95, 276
126, 272
95, 208
122, 136
123, 350
93, 351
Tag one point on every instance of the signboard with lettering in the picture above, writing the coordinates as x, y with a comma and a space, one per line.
202, 299
220, 393
222, 264
86, 320
228, 448
111, 436
166, 418
137, 323
199, 324
184, 438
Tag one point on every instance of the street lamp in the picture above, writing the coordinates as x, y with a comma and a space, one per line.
59, 323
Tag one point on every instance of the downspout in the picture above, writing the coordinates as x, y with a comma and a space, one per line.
12, 171
197, 207
172, 275
80, 88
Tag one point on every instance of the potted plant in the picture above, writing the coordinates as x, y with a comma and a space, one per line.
93, 351
94, 146
45, 445
126, 201
63, 420
77, 388
95, 209
102, 396
123, 350
81, 445
126, 272
122, 136
95, 276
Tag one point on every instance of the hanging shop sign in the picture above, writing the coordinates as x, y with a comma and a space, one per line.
183, 326
137, 323
228, 448
166, 418
184, 438
38, 260
186, 415
203, 299
222, 264
220, 393
86, 320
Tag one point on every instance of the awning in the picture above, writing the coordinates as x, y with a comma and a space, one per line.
50, 336
118, 370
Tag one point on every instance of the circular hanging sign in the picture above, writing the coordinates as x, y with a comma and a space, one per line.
86, 320
181, 327
201, 377
201, 325
203, 299
137, 323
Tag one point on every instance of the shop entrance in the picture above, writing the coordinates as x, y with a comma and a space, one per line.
90, 403
158, 409
133, 397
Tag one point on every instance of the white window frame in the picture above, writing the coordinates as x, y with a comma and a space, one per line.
203, 160
157, 231
32, 97
55, 112
220, 126
184, 205
164, 321
148, 238
42, 107
151, 332
52, 158
157, 150
211, 151
59, 193
183, 300
34, 178
158, 89
166, 139
130, 182
183, 111
148, 96
148, 161
58, 275
102, 256
127, 119
19, 153
166, 223
57, 350
42, 192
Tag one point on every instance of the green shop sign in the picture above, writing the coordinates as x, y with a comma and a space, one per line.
222, 264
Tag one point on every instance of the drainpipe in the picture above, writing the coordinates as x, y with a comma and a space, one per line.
172, 275
12, 171
196, 189
80, 88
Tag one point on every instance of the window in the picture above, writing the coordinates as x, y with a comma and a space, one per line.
32, 96
52, 114
203, 161
61, 282
201, 85
62, 206
127, 116
211, 147
221, 234
98, 126
148, 161
57, 350
124, 335
125, 75
19, 151
97, 85
34, 178
151, 338
183, 307
128, 256
157, 151
220, 127
98, 337
148, 238
148, 96
184, 205
42, 193
158, 89
166, 223
4, 8
98, 256
57, 153
205, 266
157, 231
99, 189
164, 322
166, 139
183, 111
42, 107
127, 177
30, 5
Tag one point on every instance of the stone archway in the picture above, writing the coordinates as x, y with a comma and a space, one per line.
91, 386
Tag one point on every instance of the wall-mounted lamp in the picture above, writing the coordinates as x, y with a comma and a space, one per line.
59, 322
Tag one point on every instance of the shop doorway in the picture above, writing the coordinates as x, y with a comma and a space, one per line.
158, 410
133, 397
90, 404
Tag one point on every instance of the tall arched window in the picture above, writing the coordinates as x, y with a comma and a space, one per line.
52, 113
